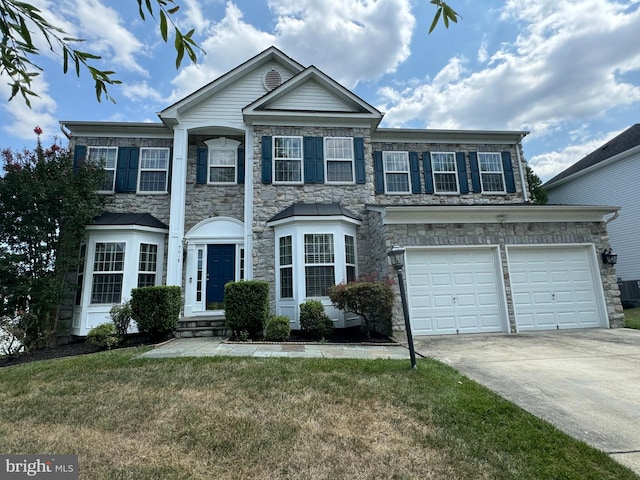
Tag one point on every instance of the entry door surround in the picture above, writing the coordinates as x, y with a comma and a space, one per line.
213, 255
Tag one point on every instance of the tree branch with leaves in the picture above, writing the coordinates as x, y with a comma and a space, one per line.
20, 20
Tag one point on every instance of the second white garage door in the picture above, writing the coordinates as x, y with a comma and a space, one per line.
554, 288
454, 291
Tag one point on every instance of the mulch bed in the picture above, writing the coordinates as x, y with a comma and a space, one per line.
354, 335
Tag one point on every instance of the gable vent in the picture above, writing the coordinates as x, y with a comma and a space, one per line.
272, 79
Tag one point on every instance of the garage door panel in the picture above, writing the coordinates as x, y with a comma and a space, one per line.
462, 288
568, 298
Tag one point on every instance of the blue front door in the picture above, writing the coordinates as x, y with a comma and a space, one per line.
221, 268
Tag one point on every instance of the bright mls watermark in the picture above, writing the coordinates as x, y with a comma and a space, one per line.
50, 467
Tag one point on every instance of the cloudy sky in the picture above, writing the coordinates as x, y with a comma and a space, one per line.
566, 70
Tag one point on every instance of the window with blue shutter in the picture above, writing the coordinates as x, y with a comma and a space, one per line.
414, 164
127, 169
378, 169
508, 172
462, 172
241, 164
79, 157
358, 146
202, 166
475, 172
428, 172
313, 159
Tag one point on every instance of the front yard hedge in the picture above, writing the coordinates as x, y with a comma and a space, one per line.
246, 308
156, 310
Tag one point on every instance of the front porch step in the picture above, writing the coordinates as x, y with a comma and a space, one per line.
190, 327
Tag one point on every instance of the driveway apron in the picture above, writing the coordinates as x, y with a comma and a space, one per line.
585, 382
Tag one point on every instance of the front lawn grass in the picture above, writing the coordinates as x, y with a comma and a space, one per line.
632, 318
250, 418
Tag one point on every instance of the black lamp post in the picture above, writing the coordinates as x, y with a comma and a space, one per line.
396, 255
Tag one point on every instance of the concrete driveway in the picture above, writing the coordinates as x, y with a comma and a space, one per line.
585, 382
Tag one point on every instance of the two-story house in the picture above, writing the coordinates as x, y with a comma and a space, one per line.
276, 172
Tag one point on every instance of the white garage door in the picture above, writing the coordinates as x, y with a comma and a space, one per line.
453, 291
554, 288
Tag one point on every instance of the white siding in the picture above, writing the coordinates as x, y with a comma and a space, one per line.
225, 107
616, 185
311, 96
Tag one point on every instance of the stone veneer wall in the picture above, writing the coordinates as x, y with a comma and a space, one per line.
269, 199
493, 234
452, 199
206, 201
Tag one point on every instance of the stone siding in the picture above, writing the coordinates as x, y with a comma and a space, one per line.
503, 235
450, 199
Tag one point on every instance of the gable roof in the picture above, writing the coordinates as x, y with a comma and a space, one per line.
169, 114
627, 140
350, 106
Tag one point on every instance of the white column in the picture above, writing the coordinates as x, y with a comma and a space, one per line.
248, 203
178, 198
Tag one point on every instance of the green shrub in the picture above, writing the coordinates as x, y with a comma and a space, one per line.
313, 320
278, 329
156, 310
121, 317
372, 300
103, 336
246, 307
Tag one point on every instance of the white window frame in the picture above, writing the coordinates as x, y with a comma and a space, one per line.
276, 159
149, 264
285, 263
226, 146
348, 264
482, 172
327, 239
98, 157
142, 169
328, 158
453, 172
111, 271
389, 171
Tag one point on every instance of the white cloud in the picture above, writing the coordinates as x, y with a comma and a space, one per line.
549, 164
564, 67
141, 91
25, 119
350, 40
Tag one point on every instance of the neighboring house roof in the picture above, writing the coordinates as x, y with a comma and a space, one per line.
140, 219
314, 210
627, 140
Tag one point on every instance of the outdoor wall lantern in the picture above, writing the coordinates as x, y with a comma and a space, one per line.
608, 257
396, 256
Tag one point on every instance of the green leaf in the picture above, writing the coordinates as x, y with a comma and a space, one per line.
435, 19
163, 26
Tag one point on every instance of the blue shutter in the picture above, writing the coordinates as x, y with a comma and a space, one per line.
127, 169
358, 150
201, 166
462, 172
241, 164
79, 157
508, 172
313, 157
475, 172
378, 170
266, 159
428, 172
414, 165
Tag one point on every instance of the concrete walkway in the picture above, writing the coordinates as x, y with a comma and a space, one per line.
208, 346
